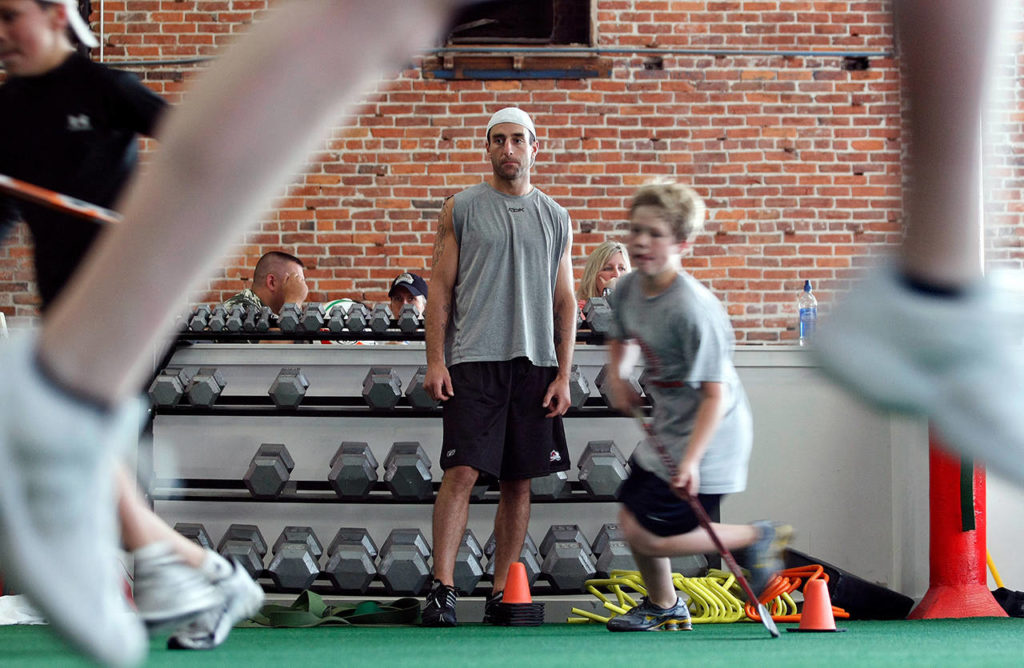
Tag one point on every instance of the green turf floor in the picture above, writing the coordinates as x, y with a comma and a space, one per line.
968, 642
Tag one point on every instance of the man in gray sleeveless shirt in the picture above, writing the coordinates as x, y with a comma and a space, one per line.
500, 328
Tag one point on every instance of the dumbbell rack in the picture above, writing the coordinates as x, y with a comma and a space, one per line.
314, 491
335, 372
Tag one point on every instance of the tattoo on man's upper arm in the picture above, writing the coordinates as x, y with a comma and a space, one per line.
444, 223
442, 232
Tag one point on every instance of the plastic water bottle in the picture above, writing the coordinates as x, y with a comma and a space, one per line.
808, 307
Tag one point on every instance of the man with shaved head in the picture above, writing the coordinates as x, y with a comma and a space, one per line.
277, 280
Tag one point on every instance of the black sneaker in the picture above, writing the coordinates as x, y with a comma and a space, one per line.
649, 617
439, 607
764, 558
491, 607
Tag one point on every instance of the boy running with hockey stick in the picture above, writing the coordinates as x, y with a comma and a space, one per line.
701, 412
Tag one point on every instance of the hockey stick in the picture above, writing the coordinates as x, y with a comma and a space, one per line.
705, 523
55, 200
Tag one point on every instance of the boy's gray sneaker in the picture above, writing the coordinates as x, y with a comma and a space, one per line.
764, 558
168, 592
649, 617
242, 598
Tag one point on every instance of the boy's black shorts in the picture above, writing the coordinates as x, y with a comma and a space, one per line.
656, 506
496, 424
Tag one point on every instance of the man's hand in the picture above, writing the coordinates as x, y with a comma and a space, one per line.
294, 289
556, 400
438, 383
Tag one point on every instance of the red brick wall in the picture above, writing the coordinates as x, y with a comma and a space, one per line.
799, 159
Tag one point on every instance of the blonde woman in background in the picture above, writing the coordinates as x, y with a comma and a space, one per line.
608, 261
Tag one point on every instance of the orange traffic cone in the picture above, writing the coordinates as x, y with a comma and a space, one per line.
517, 607
817, 613
517, 587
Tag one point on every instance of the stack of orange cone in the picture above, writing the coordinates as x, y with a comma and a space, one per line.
517, 607
817, 616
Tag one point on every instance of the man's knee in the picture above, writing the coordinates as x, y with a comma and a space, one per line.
516, 490
460, 479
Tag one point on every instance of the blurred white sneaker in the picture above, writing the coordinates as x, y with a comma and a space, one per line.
58, 520
957, 360
168, 592
242, 599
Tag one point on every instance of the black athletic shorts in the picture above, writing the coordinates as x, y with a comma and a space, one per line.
496, 424
656, 506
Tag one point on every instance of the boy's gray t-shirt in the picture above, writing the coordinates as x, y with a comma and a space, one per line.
509, 249
686, 338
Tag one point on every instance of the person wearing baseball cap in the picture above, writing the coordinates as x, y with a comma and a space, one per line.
59, 418
500, 330
59, 112
408, 288
75, 21
71, 125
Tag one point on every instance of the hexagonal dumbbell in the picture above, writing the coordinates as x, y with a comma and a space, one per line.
551, 487
598, 315
403, 568
269, 471
611, 551
289, 318
289, 388
335, 318
603, 469
360, 535
568, 561
351, 560
417, 394
358, 318
196, 533
601, 381
244, 543
645, 384
409, 318
381, 317
382, 388
236, 316
353, 470
206, 387
169, 386
251, 316
265, 319
579, 388
607, 533
468, 563
218, 319
313, 316
295, 565
564, 533
200, 319
407, 471
528, 555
